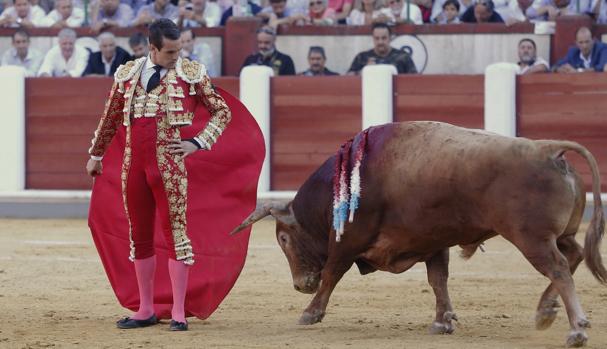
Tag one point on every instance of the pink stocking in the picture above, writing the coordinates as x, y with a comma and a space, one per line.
179, 282
145, 269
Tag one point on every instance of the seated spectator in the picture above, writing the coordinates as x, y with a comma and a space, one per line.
199, 13
298, 6
277, 13
199, 52
64, 15
450, 14
342, 9
437, 8
528, 61
510, 11
108, 59
252, 9
135, 5
65, 59
383, 53
268, 55
107, 14
320, 14
586, 56
398, 12
139, 45
22, 54
483, 11
44, 6
425, 6
366, 12
21, 14
317, 60
549, 10
156, 10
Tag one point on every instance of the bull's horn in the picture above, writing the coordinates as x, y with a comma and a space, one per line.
260, 212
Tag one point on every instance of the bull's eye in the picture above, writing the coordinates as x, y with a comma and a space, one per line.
282, 237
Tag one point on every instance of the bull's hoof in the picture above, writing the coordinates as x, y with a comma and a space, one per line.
544, 318
577, 339
311, 318
441, 328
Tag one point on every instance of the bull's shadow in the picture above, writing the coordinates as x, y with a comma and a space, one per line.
427, 186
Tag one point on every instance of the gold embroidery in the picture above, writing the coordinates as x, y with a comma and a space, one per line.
220, 113
110, 120
124, 176
190, 71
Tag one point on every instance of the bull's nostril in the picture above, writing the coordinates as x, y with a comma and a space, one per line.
297, 288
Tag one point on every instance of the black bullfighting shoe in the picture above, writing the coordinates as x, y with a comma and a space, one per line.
178, 326
128, 323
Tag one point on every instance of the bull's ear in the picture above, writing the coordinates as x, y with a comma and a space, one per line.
260, 212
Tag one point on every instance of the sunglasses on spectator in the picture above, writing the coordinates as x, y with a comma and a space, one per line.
312, 3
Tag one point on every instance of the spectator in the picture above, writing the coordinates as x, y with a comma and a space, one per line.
268, 55
320, 14
135, 5
45, 6
437, 8
549, 10
64, 15
342, 9
199, 13
483, 11
317, 60
65, 59
21, 14
108, 59
110, 14
528, 61
139, 45
277, 13
425, 6
298, 6
156, 10
366, 12
383, 53
22, 55
587, 55
510, 11
450, 14
398, 12
252, 9
199, 52
600, 11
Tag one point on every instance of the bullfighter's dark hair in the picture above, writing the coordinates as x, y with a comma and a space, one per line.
163, 28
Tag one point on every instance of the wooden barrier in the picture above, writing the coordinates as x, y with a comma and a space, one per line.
566, 106
456, 99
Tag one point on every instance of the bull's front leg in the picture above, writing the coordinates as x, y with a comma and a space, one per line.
438, 273
330, 276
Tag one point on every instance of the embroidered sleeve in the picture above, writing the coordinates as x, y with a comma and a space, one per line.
220, 113
110, 120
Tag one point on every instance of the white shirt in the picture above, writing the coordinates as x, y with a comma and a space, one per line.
586, 61
148, 71
212, 16
108, 65
35, 15
74, 20
538, 61
55, 65
509, 9
415, 14
203, 54
357, 17
31, 63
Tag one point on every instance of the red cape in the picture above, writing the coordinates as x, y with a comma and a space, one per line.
222, 192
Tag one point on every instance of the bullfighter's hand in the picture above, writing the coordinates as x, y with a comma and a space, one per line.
183, 148
94, 168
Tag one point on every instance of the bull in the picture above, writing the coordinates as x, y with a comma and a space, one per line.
427, 186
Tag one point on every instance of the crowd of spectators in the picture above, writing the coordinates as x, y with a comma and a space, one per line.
69, 59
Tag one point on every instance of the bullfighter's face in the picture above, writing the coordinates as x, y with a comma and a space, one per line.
305, 267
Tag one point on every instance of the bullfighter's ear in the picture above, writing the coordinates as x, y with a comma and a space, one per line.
277, 210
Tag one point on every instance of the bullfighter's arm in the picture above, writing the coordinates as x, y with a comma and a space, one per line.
110, 120
219, 110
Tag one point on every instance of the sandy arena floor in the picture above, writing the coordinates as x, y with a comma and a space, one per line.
54, 293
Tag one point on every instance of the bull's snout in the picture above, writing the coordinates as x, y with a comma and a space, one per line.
307, 284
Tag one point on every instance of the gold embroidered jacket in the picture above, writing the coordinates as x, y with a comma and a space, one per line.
182, 89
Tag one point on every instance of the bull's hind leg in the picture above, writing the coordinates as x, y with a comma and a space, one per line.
438, 273
330, 276
547, 307
548, 260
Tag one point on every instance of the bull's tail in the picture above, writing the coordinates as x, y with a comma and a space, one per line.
596, 229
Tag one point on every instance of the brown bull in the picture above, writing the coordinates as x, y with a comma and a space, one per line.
427, 186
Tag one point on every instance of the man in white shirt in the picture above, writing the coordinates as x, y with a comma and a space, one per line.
22, 55
200, 52
64, 15
529, 62
21, 14
65, 59
199, 13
